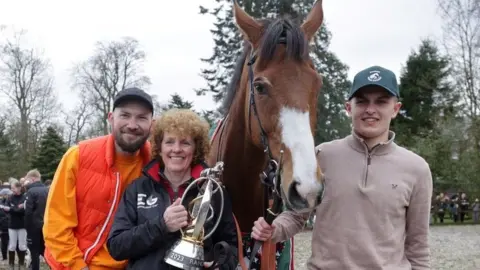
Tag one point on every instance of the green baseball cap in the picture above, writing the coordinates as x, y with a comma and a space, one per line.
378, 76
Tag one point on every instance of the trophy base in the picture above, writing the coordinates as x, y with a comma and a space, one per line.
186, 255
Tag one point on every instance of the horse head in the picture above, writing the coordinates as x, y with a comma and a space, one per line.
281, 87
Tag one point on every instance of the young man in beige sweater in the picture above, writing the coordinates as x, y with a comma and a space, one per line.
374, 214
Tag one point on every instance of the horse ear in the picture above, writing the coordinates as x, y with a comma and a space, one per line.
314, 20
250, 28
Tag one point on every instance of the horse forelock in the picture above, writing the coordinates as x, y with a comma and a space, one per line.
283, 30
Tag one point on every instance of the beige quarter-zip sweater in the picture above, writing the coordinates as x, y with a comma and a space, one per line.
375, 211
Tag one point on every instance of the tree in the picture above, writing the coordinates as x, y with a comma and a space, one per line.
426, 94
8, 155
461, 34
430, 123
26, 80
52, 148
77, 121
332, 120
114, 66
177, 101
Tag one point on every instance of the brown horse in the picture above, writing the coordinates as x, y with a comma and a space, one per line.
270, 108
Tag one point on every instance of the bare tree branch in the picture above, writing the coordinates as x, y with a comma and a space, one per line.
462, 43
26, 80
77, 120
114, 66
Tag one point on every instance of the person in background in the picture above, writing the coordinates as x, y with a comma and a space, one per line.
150, 214
375, 211
442, 207
476, 210
455, 209
464, 205
17, 234
4, 193
434, 209
48, 183
89, 183
35, 202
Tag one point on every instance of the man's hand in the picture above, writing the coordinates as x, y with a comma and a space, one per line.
261, 231
175, 216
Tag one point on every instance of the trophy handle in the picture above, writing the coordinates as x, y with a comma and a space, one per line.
219, 188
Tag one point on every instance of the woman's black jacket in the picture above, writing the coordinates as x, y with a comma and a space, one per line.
139, 233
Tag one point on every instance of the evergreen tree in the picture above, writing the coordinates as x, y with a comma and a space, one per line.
176, 101
8, 156
332, 120
426, 95
428, 122
51, 150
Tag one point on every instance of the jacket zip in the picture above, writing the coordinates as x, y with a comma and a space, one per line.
175, 193
369, 161
110, 213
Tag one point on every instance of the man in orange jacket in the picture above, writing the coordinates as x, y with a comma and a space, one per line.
89, 182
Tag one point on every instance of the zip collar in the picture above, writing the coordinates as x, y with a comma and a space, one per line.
154, 171
383, 148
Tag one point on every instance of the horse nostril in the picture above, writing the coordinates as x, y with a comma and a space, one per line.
294, 198
301, 203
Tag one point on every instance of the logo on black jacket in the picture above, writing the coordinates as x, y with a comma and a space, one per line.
144, 202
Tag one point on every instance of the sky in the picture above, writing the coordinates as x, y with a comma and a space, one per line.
175, 36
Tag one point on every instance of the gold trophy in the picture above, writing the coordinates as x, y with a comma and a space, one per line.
187, 253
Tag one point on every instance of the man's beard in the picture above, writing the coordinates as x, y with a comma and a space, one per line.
129, 147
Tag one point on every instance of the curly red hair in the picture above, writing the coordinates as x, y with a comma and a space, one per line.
182, 122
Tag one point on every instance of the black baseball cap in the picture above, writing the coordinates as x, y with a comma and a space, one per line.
133, 93
375, 75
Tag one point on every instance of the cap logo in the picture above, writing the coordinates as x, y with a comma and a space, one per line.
374, 76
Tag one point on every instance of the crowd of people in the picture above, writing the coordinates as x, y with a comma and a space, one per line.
22, 207
456, 207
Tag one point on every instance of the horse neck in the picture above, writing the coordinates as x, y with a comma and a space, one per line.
243, 164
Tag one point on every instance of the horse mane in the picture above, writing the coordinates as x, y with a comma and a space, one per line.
235, 81
281, 30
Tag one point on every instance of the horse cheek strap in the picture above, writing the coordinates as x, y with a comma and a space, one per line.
271, 177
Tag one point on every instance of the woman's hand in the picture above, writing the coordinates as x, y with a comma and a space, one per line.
175, 216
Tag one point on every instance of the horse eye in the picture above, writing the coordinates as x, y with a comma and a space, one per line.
260, 88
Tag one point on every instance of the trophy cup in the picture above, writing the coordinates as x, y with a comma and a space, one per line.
187, 253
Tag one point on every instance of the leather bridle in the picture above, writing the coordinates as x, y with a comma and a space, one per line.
270, 176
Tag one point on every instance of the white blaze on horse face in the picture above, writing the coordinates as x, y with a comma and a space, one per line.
297, 136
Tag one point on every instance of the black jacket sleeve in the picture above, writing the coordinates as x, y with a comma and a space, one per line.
129, 240
227, 231
30, 202
14, 209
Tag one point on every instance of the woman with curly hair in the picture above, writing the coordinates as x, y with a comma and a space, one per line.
149, 217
